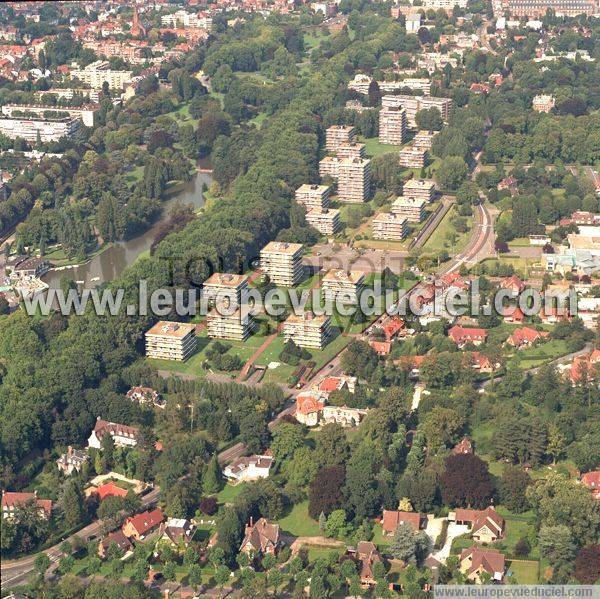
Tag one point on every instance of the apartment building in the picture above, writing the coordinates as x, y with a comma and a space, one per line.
345, 284
30, 128
390, 226
182, 18
413, 104
543, 103
330, 167
392, 125
85, 113
327, 221
413, 209
413, 157
313, 197
168, 340
226, 284
223, 323
354, 180
424, 139
90, 95
282, 262
97, 73
351, 149
446, 5
308, 329
419, 188
538, 8
361, 83
337, 135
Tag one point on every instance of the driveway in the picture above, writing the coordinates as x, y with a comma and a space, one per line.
454, 530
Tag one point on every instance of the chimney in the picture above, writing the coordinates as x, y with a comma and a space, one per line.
251, 521
69, 450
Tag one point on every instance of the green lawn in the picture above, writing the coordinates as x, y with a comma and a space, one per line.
381, 541
298, 523
536, 356
229, 493
438, 239
373, 148
523, 571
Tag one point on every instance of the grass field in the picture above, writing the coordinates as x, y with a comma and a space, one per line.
373, 148
536, 356
523, 571
229, 492
298, 523
439, 241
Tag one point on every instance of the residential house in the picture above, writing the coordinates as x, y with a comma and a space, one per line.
475, 561
512, 315
462, 335
513, 284
343, 415
554, 315
487, 525
177, 531
525, 337
109, 490
122, 435
73, 459
248, 468
482, 363
463, 446
117, 538
368, 555
392, 327
583, 366
139, 526
145, 395
382, 348
12, 501
337, 383
261, 538
393, 518
309, 407
592, 481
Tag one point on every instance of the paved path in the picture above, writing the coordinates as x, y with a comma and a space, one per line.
248, 365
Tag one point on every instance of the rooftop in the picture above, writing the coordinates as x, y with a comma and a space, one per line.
349, 276
226, 280
279, 247
166, 328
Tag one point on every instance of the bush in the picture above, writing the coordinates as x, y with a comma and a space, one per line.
522, 547
441, 538
208, 506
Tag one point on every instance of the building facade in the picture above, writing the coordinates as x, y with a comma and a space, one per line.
354, 180
308, 329
413, 209
313, 197
327, 222
282, 262
390, 227
168, 340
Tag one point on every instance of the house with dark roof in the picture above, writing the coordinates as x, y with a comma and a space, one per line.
476, 561
119, 539
177, 532
122, 435
367, 554
72, 459
393, 518
261, 538
139, 526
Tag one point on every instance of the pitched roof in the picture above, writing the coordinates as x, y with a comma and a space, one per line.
259, 461
367, 553
480, 518
13, 499
118, 538
591, 479
308, 403
331, 383
392, 327
110, 490
383, 348
262, 535
512, 282
460, 334
393, 518
464, 446
146, 520
490, 560
526, 335
103, 427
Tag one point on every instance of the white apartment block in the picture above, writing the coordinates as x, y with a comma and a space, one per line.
343, 415
97, 73
345, 284
419, 188
308, 330
337, 135
424, 139
392, 125
361, 83
413, 104
168, 340
412, 157
446, 5
543, 103
182, 18
390, 227
282, 262
223, 323
413, 209
69, 92
225, 285
85, 113
327, 221
330, 167
30, 127
352, 149
313, 197
354, 180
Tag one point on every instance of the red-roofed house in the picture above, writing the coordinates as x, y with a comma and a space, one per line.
592, 481
513, 283
480, 88
110, 490
368, 555
513, 314
393, 518
309, 407
12, 501
464, 446
382, 348
584, 366
525, 336
392, 327
461, 335
481, 363
337, 383
474, 561
137, 527
550, 315
487, 525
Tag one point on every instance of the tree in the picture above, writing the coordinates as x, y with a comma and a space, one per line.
374, 93
41, 564
442, 426
169, 570
286, 439
466, 481
556, 544
408, 545
522, 547
332, 447
71, 503
325, 493
429, 119
587, 565
221, 577
451, 173
336, 526
211, 481
513, 488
